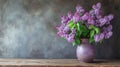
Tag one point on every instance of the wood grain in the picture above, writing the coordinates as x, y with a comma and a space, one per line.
56, 63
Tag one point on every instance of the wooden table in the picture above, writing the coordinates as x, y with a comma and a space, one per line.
56, 63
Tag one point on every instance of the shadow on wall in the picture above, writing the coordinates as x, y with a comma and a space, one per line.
27, 29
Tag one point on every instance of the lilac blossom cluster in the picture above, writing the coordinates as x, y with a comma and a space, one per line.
93, 17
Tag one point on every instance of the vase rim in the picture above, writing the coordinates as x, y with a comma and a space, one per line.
84, 40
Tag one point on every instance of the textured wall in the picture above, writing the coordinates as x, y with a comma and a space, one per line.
27, 29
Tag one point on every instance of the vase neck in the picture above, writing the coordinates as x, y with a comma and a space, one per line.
84, 41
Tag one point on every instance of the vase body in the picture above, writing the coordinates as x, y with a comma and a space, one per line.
85, 51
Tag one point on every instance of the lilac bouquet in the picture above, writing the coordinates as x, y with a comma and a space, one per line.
92, 25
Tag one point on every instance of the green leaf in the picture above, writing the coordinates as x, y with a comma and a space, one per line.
79, 31
78, 27
92, 32
91, 27
84, 30
70, 24
97, 30
72, 27
91, 40
76, 42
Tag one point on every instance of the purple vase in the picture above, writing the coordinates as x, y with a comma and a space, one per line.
85, 51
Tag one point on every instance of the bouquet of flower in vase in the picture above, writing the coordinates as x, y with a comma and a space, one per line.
85, 27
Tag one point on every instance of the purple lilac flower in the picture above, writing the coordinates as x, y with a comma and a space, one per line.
76, 17
107, 20
98, 37
102, 36
107, 23
70, 15
107, 31
85, 16
104, 30
93, 17
97, 11
108, 35
73, 31
66, 29
91, 12
66, 36
98, 16
79, 9
61, 27
97, 6
57, 27
103, 21
110, 17
97, 23
71, 37
91, 21
64, 19
109, 28
60, 33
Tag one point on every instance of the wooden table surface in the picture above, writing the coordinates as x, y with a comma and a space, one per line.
56, 63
